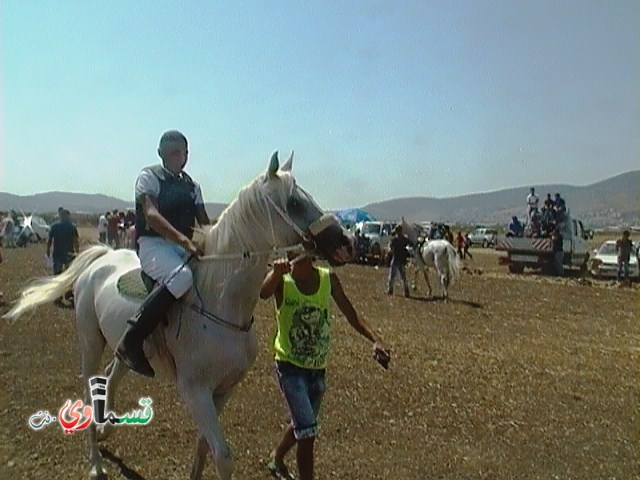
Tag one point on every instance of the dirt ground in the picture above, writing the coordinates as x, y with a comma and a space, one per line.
517, 376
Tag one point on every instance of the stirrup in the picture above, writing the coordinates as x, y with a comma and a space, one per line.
135, 359
142, 368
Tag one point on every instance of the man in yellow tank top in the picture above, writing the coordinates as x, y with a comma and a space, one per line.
302, 294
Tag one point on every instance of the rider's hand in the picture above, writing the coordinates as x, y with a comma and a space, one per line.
191, 248
381, 354
280, 267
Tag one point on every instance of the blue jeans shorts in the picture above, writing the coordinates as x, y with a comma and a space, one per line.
302, 389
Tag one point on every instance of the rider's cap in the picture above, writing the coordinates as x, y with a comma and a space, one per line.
172, 139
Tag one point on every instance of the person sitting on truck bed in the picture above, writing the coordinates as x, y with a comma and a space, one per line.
559, 206
515, 228
534, 228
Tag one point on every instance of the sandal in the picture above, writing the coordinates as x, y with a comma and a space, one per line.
281, 473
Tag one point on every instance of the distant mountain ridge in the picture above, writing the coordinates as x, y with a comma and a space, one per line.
615, 200
91, 203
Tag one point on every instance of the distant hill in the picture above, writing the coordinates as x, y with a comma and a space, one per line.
76, 203
608, 202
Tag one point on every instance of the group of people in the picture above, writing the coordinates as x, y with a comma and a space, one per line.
114, 228
543, 220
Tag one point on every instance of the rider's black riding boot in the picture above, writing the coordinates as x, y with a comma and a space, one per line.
151, 313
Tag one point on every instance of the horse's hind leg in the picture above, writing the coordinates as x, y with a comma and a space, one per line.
426, 280
115, 372
444, 280
92, 344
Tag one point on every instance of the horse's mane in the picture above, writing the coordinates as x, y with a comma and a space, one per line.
243, 216
245, 225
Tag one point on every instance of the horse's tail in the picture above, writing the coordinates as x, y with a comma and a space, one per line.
454, 264
47, 289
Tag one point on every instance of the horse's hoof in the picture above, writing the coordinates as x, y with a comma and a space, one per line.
95, 475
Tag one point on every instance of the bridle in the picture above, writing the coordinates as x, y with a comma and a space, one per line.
306, 241
306, 238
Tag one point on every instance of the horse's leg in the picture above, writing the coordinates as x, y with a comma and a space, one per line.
92, 344
92, 351
414, 284
444, 280
443, 272
201, 406
202, 447
115, 371
426, 279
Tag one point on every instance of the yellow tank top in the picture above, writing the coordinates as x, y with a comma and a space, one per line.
303, 324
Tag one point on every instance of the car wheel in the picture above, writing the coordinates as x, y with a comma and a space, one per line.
485, 244
516, 267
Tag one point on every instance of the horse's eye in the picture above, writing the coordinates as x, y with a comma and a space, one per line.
294, 203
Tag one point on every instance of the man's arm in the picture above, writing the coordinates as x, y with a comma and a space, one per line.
157, 222
346, 307
201, 215
381, 353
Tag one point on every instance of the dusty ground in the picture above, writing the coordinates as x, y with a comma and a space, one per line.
516, 377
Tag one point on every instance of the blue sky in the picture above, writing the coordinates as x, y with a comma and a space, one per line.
378, 99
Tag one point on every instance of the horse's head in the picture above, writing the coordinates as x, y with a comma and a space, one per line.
306, 221
408, 231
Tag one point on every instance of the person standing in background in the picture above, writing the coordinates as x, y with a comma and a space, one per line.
62, 246
103, 224
532, 202
624, 245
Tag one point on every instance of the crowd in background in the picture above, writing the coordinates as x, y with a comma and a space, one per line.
117, 228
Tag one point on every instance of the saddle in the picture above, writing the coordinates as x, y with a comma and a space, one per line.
135, 284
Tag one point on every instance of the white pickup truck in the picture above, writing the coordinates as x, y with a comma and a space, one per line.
379, 238
538, 252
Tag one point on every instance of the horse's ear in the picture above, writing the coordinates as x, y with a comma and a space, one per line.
288, 164
274, 164
402, 219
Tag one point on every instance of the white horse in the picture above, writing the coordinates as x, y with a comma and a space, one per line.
432, 253
208, 334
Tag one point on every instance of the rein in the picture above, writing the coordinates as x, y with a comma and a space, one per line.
221, 321
247, 254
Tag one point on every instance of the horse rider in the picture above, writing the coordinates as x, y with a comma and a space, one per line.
168, 203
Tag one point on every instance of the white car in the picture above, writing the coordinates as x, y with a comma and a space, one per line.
604, 261
483, 236
37, 227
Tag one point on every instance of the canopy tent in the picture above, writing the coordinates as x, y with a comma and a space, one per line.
354, 215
